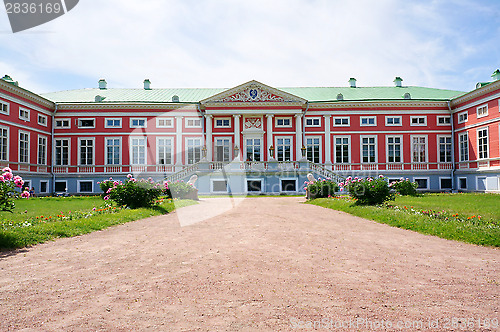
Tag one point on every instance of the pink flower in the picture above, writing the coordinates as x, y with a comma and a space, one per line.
109, 190
2, 179
93, 209
25, 194
8, 176
106, 197
129, 176
7, 170
18, 181
381, 176
116, 183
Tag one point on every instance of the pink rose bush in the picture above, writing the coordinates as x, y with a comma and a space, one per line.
8, 189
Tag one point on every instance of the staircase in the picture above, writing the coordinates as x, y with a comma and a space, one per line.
324, 172
183, 173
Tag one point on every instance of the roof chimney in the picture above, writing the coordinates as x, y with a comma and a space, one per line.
102, 84
397, 81
147, 84
496, 75
352, 82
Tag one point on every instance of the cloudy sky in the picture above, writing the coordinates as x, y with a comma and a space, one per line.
450, 44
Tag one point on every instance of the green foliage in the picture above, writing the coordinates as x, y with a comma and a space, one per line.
180, 190
8, 192
133, 193
321, 189
405, 187
368, 191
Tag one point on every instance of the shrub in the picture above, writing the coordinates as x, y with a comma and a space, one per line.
180, 190
405, 187
368, 191
133, 193
8, 192
321, 189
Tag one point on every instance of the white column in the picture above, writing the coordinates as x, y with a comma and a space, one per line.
328, 150
269, 133
179, 154
237, 141
298, 131
208, 142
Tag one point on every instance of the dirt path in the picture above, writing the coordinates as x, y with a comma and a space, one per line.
267, 264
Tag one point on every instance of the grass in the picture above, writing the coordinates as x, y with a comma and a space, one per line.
471, 218
38, 220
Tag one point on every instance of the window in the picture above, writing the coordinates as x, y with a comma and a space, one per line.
283, 149
194, 150
254, 185
419, 149
313, 149
113, 123
62, 152
27, 184
464, 146
445, 149
164, 147
394, 149
368, 121
42, 120
138, 146
393, 121
313, 122
253, 149
422, 183
341, 122
85, 186
368, 149
223, 123
193, 123
61, 186
4, 108
288, 185
63, 123
44, 186
283, 122
482, 111
24, 114
462, 183
222, 149
138, 123
164, 123
113, 147
42, 150
4, 143
482, 143
219, 186
445, 183
462, 117
418, 120
24, 147
443, 120
86, 151
342, 150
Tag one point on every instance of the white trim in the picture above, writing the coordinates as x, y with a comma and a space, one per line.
387, 117
85, 127
223, 137
368, 118
38, 149
112, 119
482, 107
222, 191
185, 157
193, 125
131, 150
485, 182
2, 103
341, 117
320, 146
461, 114
80, 147
418, 124
54, 150
25, 104
278, 136
19, 149
8, 142
289, 179
46, 187
78, 182
42, 116
487, 142
446, 178
255, 136
65, 185
361, 149
475, 103
138, 119
426, 149
312, 121
165, 119
334, 143
17, 125
422, 178
254, 179
401, 150
438, 150
171, 139
222, 119
466, 183
62, 127
106, 150
479, 124
276, 125
27, 118
443, 117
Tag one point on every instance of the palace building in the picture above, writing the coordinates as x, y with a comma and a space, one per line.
252, 138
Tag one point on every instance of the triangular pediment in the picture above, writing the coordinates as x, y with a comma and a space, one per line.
253, 92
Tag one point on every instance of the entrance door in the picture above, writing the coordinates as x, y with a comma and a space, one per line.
222, 149
253, 149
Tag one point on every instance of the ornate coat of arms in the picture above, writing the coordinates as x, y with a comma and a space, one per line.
255, 123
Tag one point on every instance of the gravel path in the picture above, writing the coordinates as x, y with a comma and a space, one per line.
255, 264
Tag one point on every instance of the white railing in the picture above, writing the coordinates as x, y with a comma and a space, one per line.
326, 173
369, 167
287, 165
164, 168
183, 173
394, 167
216, 165
113, 169
42, 169
254, 166
342, 167
445, 166
419, 166
60, 169
139, 168
86, 169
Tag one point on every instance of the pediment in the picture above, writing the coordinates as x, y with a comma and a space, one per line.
253, 92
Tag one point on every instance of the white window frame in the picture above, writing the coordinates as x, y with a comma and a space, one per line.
47, 187
466, 134
288, 179
438, 143
368, 118
485, 182
106, 150
401, 150
222, 125
55, 151
44, 122
341, 117
480, 108
422, 178
22, 109
261, 150
80, 139
361, 149
466, 184
443, 117
193, 124
78, 182
462, 117
276, 119
418, 124
254, 179
2, 104
445, 178
131, 150
85, 127
426, 149
138, 119
65, 185
276, 147
19, 147
320, 146
349, 152
216, 180
487, 143
38, 150
171, 139
158, 125
62, 126
186, 146
230, 146
312, 121
400, 118
8, 143
112, 119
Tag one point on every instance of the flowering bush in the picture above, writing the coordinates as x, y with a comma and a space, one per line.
321, 188
405, 187
368, 191
8, 192
180, 190
133, 193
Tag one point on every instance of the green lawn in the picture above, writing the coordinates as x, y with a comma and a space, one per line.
41, 219
472, 218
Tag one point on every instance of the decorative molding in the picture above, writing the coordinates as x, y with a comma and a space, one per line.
23, 93
253, 123
495, 85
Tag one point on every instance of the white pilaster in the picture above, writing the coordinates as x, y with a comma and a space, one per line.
298, 135
237, 141
269, 133
179, 154
208, 141
328, 150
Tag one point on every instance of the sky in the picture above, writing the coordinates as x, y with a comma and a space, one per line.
448, 44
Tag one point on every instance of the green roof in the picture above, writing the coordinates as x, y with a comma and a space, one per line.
194, 95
